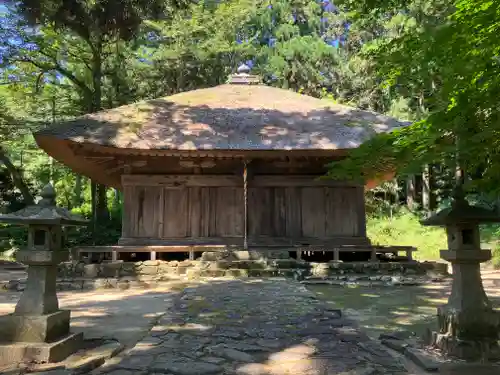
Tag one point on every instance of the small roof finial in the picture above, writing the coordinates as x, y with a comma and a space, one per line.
244, 69
244, 77
48, 195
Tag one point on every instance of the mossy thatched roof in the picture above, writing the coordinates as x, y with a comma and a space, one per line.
227, 117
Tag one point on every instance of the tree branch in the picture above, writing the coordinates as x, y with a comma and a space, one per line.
17, 178
60, 69
87, 65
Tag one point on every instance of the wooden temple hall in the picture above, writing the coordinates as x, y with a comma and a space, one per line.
234, 165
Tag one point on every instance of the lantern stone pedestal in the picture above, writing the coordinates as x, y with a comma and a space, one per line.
37, 330
468, 326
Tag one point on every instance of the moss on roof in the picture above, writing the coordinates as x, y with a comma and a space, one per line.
228, 117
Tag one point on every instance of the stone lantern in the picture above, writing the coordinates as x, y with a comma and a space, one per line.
38, 330
469, 327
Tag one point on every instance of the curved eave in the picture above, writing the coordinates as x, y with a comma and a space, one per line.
64, 151
61, 150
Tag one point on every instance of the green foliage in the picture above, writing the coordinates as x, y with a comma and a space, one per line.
92, 19
430, 61
447, 57
496, 256
404, 229
10, 199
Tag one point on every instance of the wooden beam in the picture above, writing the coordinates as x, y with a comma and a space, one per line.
253, 241
297, 181
230, 180
95, 149
153, 250
181, 180
99, 159
197, 163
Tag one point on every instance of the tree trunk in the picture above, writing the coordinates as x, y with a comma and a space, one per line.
97, 78
77, 198
410, 192
396, 191
428, 195
102, 212
426, 188
17, 178
117, 199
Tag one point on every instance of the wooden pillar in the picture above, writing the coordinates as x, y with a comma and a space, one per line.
245, 203
125, 211
361, 211
152, 255
161, 212
93, 205
409, 254
336, 254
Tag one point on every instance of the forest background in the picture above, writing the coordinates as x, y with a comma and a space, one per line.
433, 62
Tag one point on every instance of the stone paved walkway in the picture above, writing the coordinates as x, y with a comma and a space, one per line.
252, 327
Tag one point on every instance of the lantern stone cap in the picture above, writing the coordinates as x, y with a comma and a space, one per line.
45, 212
461, 212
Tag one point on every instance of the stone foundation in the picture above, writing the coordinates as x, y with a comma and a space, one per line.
467, 335
34, 328
150, 273
40, 352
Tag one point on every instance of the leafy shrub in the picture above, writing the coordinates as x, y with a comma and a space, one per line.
495, 261
404, 229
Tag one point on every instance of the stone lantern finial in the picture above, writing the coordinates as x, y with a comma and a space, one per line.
48, 195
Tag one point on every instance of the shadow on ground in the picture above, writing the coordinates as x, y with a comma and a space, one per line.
382, 309
244, 327
251, 326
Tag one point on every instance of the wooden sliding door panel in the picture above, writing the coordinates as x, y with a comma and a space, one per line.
199, 212
142, 211
293, 212
342, 210
259, 212
129, 216
313, 212
279, 216
228, 205
175, 220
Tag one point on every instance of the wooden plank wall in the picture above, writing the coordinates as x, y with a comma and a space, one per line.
196, 212
297, 212
276, 209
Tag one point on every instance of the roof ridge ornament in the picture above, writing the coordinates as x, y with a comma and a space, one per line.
243, 76
244, 69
